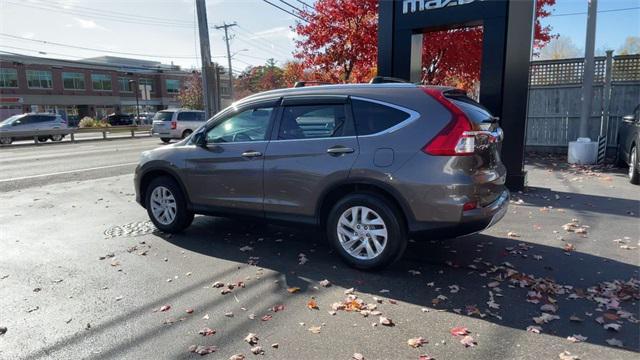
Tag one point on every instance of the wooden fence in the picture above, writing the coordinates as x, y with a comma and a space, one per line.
555, 96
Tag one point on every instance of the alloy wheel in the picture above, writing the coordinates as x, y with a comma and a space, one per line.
163, 205
632, 163
362, 232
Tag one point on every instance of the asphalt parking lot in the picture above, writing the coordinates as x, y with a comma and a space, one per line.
83, 274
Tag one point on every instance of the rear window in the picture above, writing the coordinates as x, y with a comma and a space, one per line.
163, 116
473, 109
372, 117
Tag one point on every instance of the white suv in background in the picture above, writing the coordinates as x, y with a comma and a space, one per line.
31, 122
176, 123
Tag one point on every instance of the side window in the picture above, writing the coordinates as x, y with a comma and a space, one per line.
200, 116
372, 118
47, 118
187, 116
248, 125
314, 121
26, 120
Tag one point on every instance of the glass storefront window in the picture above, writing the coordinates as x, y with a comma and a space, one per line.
173, 86
8, 78
39, 79
101, 82
124, 85
73, 81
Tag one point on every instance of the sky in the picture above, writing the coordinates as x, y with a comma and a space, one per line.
164, 30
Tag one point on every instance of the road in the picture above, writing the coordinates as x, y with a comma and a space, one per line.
28, 166
84, 275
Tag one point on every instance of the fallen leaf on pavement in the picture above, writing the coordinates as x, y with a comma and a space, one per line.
386, 321
459, 331
206, 332
3, 330
266, 317
315, 329
325, 283
189, 311
575, 318
513, 234
416, 342
425, 357
565, 355
576, 338
164, 308
251, 338
237, 357
534, 329
312, 304
468, 341
275, 345
615, 327
357, 356
277, 308
246, 248
614, 342
202, 349
293, 290
257, 350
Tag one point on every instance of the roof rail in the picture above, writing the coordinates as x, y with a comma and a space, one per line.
386, 79
300, 84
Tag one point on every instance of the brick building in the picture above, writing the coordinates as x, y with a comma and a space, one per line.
90, 87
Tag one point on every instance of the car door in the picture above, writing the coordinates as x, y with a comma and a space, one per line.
226, 173
313, 146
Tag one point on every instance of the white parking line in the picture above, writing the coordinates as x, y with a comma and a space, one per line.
66, 172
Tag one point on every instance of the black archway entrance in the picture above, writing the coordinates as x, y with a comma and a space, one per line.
506, 51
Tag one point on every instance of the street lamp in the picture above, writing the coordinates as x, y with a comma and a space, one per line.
135, 90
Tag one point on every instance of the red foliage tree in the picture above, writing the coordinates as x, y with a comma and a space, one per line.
339, 43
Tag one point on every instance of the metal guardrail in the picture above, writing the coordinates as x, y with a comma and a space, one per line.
72, 131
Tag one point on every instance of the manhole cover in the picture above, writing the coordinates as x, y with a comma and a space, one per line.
131, 229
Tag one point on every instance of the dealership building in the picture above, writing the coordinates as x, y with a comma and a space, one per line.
92, 87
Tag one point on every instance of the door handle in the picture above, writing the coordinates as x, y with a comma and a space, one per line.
338, 150
250, 154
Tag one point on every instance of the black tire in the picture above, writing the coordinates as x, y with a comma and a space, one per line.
43, 138
393, 221
183, 217
6, 140
186, 133
166, 140
634, 166
56, 138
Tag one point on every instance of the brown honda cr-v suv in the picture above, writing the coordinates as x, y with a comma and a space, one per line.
368, 163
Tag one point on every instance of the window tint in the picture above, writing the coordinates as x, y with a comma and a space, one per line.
44, 118
187, 116
8, 78
313, 121
372, 118
249, 125
200, 116
163, 115
474, 111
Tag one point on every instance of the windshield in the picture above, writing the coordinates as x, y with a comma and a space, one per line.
163, 116
10, 119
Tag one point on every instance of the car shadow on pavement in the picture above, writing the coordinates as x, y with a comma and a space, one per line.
521, 276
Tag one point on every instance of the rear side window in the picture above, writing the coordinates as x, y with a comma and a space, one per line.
200, 116
43, 118
187, 116
314, 121
373, 118
163, 115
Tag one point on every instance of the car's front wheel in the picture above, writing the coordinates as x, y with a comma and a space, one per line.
6, 140
634, 170
43, 138
367, 231
167, 206
165, 140
57, 138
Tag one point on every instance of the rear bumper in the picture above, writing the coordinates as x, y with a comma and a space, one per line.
471, 221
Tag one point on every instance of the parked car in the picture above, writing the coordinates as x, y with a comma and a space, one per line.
31, 122
145, 118
629, 145
176, 123
367, 163
119, 119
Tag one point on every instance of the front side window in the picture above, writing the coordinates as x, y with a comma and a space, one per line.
314, 121
39, 79
73, 81
124, 85
173, 86
8, 78
248, 125
372, 117
101, 82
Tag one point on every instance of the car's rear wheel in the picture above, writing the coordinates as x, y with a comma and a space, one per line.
57, 137
6, 140
165, 140
186, 133
366, 231
634, 170
167, 206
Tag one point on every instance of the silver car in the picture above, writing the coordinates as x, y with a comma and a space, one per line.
176, 123
31, 122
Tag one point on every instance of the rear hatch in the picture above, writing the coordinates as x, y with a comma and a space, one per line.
162, 122
474, 133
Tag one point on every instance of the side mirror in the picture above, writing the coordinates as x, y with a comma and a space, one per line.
199, 139
628, 118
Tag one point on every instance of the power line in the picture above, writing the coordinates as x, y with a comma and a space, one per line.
295, 8
599, 11
304, 4
256, 37
285, 10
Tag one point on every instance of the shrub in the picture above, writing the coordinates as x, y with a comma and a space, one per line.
87, 122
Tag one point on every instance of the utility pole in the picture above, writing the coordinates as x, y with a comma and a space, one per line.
589, 67
209, 92
226, 27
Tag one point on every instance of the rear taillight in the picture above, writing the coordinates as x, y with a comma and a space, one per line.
470, 205
174, 125
457, 138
